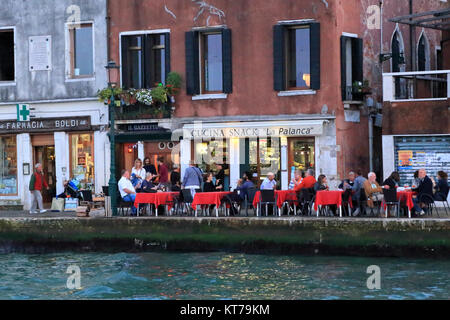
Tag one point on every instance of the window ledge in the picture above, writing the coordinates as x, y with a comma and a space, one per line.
212, 96
7, 83
80, 79
296, 93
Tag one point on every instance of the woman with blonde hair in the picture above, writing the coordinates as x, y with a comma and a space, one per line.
138, 170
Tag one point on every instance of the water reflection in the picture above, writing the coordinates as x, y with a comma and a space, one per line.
218, 276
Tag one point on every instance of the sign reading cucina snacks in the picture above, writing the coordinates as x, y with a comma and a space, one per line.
46, 125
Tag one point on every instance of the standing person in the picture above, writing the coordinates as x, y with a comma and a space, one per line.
220, 177
37, 183
441, 187
269, 182
192, 178
425, 187
126, 189
149, 167
163, 172
175, 184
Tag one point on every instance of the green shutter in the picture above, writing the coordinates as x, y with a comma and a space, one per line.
227, 61
315, 55
124, 63
279, 58
149, 74
343, 68
192, 63
167, 52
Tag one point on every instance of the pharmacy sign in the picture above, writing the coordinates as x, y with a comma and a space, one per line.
23, 112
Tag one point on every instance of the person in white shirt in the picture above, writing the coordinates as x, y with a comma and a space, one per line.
269, 183
138, 169
126, 189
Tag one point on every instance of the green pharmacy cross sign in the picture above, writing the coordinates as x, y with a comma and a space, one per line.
23, 112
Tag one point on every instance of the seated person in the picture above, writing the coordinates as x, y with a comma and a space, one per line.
321, 183
208, 185
425, 187
348, 183
126, 189
373, 190
308, 182
244, 184
147, 184
392, 181
441, 187
269, 182
297, 179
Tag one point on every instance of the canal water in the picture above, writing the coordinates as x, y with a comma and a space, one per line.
218, 276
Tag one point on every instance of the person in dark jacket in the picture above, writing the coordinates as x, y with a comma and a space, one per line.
441, 187
220, 177
175, 183
392, 181
425, 188
147, 184
208, 185
321, 183
149, 167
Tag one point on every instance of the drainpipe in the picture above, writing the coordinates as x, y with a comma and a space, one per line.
370, 142
108, 22
381, 31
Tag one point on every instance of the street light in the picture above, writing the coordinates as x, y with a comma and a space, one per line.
112, 190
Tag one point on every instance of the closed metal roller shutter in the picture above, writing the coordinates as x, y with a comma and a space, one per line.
429, 152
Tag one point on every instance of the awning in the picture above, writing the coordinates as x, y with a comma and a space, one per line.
142, 136
438, 19
297, 128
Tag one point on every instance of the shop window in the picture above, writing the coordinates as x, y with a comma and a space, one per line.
81, 51
7, 55
82, 159
145, 60
265, 156
208, 62
8, 165
301, 154
296, 56
208, 153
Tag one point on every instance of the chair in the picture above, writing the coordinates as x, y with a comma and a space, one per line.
306, 199
249, 197
390, 198
429, 203
186, 199
105, 190
86, 198
123, 204
444, 203
346, 196
267, 197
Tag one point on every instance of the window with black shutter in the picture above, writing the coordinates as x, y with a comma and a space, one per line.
208, 61
296, 53
145, 60
7, 55
351, 67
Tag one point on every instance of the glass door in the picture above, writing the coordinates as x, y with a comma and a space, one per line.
45, 155
301, 154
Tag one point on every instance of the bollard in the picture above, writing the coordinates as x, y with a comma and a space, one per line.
108, 211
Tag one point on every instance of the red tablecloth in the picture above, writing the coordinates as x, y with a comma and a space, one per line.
208, 198
281, 195
405, 197
158, 198
324, 198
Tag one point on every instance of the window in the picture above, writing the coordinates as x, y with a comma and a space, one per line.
351, 66
296, 56
208, 62
211, 62
208, 153
7, 55
8, 165
145, 60
82, 158
423, 54
81, 51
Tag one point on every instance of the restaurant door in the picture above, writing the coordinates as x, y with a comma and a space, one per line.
44, 153
301, 154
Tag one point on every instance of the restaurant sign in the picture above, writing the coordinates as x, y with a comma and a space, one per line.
249, 132
46, 125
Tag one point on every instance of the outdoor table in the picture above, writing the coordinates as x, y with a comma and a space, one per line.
326, 197
281, 197
210, 198
156, 198
405, 196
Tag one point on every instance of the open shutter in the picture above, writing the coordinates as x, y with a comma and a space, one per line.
167, 52
343, 68
226, 61
279, 67
149, 74
357, 59
124, 63
192, 67
315, 55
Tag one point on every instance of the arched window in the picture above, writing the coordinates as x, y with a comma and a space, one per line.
423, 54
398, 58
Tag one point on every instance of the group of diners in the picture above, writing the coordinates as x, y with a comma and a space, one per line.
364, 192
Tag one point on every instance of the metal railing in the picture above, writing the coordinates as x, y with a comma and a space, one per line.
416, 85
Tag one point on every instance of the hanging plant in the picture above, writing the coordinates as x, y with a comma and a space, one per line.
159, 94
105, 94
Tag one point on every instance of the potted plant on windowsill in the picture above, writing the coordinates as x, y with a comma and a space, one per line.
173, 84
105, 94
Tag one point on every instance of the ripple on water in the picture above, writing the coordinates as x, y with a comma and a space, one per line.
125, 277
97, 292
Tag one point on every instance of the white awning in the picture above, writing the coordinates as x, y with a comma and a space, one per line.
298, 128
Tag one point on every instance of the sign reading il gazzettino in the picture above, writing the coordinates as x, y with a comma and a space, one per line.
250, 130
46, 125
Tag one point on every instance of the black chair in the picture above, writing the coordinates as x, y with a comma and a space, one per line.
390, 199
186, 199
346, 198
443, 199
105, 190
306, 199
248, 201
267, 197
362, 202
429, 203
122, 205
